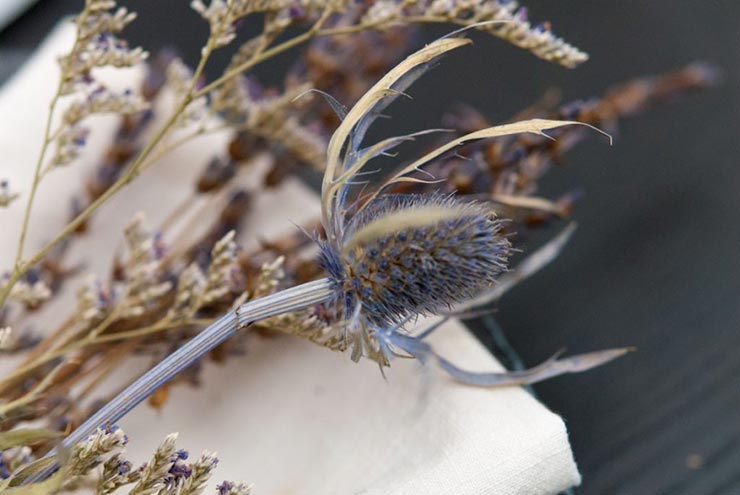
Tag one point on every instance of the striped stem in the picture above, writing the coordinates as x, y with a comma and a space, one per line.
288, 300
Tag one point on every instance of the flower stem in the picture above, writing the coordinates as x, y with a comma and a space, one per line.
90, 340
18, 271
286, 301
21, 267
278, 49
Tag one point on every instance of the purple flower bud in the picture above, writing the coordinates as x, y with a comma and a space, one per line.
295, 11
123, 467
180, 470
543, 27
159, 246
224, 488
522, 15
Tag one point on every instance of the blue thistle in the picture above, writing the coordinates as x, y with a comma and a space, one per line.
395, 269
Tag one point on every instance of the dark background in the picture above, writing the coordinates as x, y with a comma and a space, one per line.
655, 262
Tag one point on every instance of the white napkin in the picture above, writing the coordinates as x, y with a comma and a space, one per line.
290, 417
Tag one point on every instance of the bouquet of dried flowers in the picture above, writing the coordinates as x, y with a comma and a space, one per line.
426, 237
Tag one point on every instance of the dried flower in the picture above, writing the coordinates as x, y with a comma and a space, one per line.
196, 289
97, 45
167, 472
155, 473
95, 300
190, 286
198, 474
502, 18
392, 258
88, 454
117, 472
30, 292
72, 134
383, 11
223, 15
269, 277
13, 459
179, 81
231, 488
271, 118
103, 100
144, 284
405, 256
69, 143
217, 173
221, 269
380, 228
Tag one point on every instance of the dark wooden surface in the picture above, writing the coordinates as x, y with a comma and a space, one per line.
656, 260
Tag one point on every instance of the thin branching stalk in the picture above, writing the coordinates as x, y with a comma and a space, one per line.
91, 340
19, 267
141, 161
265, 55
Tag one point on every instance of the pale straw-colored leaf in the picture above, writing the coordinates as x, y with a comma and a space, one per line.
528, 203
416, 217
532, 126
366, 110
26, 436
51, 484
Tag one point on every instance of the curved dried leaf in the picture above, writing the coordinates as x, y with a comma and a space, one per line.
533, 126
30, 472
364, 112
49, 485
549, 369
26, 437
529, 203
402, 219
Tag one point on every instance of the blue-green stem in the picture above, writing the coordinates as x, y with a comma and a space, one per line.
286, 301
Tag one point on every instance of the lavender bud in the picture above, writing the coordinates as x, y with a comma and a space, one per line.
408, 255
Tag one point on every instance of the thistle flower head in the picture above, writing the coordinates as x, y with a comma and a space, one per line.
393, 257
416, 254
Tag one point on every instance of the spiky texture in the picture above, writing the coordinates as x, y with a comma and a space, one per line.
408, 255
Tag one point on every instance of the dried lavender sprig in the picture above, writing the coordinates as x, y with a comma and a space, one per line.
286, 301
